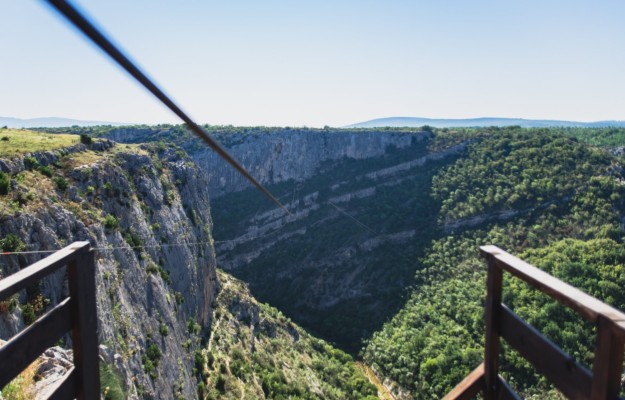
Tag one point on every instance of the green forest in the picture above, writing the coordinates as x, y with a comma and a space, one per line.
567, 199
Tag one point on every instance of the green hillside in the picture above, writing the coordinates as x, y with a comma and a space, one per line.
569, 202
255, 352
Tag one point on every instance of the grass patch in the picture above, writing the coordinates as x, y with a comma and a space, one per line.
23, 386
110, 383
88, 157
16, 142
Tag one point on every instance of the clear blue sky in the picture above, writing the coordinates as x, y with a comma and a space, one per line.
320, 62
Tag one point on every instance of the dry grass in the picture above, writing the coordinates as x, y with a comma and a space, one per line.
23, 386
15, 142
86, 158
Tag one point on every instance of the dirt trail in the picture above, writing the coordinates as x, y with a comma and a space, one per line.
383, 392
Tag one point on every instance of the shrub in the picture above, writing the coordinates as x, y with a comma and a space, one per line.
193, 327
110, 222
85, 139
164, 275
28, 314
152, 268
31, 162
132, 238
201, 390
61, 183
45, 170
153, 353
11, 243
5, 138
163, 329
220, 384
5, 183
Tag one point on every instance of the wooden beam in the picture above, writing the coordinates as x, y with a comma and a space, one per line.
26, 346
570, 377
493, 315
469, 387
586, 305
608, 362
81, 277
33, 273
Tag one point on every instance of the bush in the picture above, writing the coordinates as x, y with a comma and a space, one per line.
163, 329
152, 268
61, 183
5, 183
110, 222
201, 390
132, 238
11, 243
45, 170
31, 162
153, 353
85, 139
220, 384
28, 314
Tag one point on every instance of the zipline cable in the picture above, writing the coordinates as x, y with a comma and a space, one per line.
97, 37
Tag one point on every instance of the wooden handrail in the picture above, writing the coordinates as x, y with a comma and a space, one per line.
572, 379
33, 273
76, 313
586, 305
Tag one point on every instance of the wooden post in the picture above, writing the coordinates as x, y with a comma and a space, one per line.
608, 363
81, 276
493, 318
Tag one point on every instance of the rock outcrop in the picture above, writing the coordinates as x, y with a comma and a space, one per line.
146, 212
294, 155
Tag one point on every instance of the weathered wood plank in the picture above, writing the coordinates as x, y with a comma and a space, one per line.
493, 321
33, 273
469, 387
586, 305
81, 277
570, 377
608, 362
65, 389
27, 345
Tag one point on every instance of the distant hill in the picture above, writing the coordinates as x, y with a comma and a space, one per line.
50, 122
473, 122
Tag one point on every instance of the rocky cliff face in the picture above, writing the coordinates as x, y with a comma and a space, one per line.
273, 155
146, 211
293, 155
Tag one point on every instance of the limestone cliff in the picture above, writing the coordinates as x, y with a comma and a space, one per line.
146, 211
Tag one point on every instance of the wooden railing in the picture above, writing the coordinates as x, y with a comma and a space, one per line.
76, 313
572, 379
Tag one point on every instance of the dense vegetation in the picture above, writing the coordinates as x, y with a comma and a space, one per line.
565, 200
256, 352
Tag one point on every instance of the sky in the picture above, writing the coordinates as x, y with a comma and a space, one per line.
317, 63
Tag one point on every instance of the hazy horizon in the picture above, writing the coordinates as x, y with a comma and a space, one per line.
282, 64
